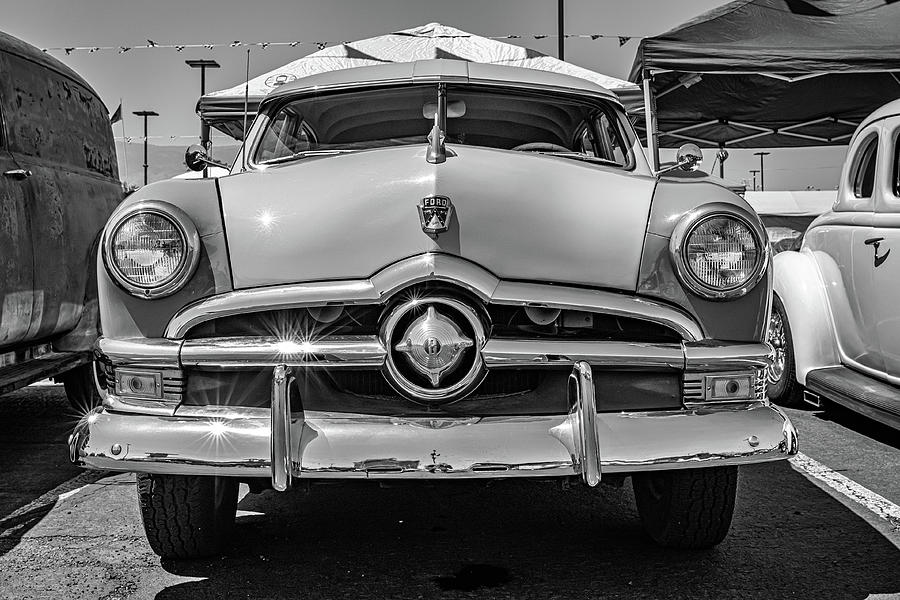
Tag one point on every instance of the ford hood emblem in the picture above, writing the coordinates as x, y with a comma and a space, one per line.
435, 213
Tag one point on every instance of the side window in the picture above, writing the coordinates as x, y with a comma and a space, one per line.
286, 135
896, 185
609, 143
864, 170
585, 143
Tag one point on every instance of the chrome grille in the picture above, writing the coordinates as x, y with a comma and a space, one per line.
692, 388
759, 388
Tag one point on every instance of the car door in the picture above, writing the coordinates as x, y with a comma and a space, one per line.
845, 260
62, 137
884, 250
16, 256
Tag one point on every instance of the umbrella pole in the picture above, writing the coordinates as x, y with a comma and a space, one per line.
650, 121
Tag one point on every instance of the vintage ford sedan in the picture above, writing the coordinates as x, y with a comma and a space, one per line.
434, 271
836, 323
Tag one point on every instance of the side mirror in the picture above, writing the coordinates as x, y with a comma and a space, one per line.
688, 158
196, 159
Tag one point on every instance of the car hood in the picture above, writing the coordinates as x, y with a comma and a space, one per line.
521, 216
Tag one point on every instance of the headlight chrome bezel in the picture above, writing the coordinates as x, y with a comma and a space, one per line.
686, 227
186, 268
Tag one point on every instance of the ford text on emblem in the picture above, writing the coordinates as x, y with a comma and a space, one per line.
435, 213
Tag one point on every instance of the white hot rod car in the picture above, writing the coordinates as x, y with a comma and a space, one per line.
436, 270
836, 320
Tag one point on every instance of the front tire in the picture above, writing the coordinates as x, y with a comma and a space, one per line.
187, 516
689, 508
781, 377
81, 388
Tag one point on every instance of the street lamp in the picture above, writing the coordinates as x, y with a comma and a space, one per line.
145, 114
203, 64
754, 172
762, 173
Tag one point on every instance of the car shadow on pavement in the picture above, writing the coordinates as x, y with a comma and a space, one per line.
534, 539
35, 423
859, 423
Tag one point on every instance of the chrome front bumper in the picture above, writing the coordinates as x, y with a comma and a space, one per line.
283, 445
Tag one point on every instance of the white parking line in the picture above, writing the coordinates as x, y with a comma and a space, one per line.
879, 505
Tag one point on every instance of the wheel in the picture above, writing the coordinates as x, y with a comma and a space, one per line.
689, 508
81, 388
781, 376
187, 516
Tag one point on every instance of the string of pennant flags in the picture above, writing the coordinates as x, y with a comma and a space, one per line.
151, 45
128, 139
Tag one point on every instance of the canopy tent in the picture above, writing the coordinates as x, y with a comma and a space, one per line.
771, 73
224, 109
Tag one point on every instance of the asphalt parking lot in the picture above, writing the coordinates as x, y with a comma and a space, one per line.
797, 533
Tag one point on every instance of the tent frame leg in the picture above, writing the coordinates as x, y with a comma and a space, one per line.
650, 119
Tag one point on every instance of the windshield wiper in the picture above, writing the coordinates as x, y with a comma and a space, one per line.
304, 154
584, 157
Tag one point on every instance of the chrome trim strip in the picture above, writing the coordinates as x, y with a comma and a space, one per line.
179, 278
622, 305
354, 446
229, 353
140, 406
269, 298
435, 266
429, 266
154, 353
583, 416
724, 356
500, 353
369, 352
280, 438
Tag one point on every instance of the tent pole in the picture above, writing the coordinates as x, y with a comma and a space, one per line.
560, 22
650, 118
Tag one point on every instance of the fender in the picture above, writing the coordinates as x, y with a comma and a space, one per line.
799, 286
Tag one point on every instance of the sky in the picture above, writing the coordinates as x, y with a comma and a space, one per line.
158, 79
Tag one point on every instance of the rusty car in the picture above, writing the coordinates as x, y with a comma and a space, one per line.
434, 271
59, 185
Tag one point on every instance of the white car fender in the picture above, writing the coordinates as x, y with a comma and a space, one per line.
798, 284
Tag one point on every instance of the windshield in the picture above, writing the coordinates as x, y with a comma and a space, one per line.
476, 116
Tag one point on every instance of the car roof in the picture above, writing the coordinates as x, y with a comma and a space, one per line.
24, 50
888, 110
441, 70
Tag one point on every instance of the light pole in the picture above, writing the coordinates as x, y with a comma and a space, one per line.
754, 172
145, 114
562, 31
203, 64
762, 173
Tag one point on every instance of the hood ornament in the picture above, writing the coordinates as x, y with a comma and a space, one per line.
435, 213
436, 153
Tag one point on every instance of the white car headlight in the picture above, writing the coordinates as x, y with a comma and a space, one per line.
719, 253
151, 249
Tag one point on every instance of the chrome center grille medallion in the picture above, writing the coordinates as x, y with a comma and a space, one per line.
433, 345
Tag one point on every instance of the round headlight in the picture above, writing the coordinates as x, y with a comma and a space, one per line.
151, 249
719, 255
